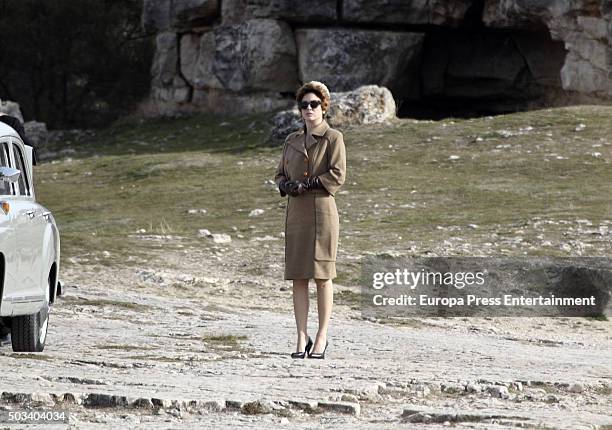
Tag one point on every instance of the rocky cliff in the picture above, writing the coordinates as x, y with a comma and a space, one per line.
437, 57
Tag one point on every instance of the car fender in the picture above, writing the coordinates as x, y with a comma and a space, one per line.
50, 256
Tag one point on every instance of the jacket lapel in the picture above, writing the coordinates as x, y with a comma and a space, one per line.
297, 143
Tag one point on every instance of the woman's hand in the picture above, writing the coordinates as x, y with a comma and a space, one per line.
293, 188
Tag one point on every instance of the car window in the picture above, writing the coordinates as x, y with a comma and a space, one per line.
24, 185
5, 187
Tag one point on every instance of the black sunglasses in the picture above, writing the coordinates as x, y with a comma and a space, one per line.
313, 104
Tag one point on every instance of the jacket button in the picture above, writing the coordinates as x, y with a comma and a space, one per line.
305, 160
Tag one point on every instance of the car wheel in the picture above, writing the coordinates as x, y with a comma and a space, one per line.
29, 332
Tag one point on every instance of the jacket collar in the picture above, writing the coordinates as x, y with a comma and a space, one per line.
298, 141
318, 131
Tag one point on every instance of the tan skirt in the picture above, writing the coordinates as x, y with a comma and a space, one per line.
311, 236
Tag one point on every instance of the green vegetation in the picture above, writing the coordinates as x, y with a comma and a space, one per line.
105, 302
224, 340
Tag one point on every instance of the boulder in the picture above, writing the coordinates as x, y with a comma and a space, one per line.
368, 104
257, 55
342, 58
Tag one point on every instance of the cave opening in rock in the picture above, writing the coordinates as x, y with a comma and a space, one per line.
478, 72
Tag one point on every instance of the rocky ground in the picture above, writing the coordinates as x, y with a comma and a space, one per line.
204, 343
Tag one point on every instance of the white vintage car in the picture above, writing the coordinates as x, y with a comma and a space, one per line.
29, 249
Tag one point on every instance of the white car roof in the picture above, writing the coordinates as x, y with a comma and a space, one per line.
6, 130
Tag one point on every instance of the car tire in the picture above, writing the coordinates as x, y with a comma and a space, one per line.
29, 332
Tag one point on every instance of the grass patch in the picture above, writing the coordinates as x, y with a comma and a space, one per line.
597, 318
227, 340
348, 298
105, 302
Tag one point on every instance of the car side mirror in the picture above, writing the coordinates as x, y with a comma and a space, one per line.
8, 174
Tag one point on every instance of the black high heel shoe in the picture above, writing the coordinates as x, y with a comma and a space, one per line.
319, 355
306, 350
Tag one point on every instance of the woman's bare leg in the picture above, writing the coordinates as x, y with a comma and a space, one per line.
300, 309
325, 301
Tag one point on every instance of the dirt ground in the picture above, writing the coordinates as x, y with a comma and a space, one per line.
197, 339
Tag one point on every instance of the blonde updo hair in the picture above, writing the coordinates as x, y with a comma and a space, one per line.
317, 88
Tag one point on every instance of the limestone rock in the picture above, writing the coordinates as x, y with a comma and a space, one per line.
369, 104
259, 54
189, 56
342, 58
166, 83
582, 26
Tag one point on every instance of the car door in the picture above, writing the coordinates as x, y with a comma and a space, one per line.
29, 231
8, 279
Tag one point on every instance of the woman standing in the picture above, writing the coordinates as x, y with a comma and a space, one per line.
311, 170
